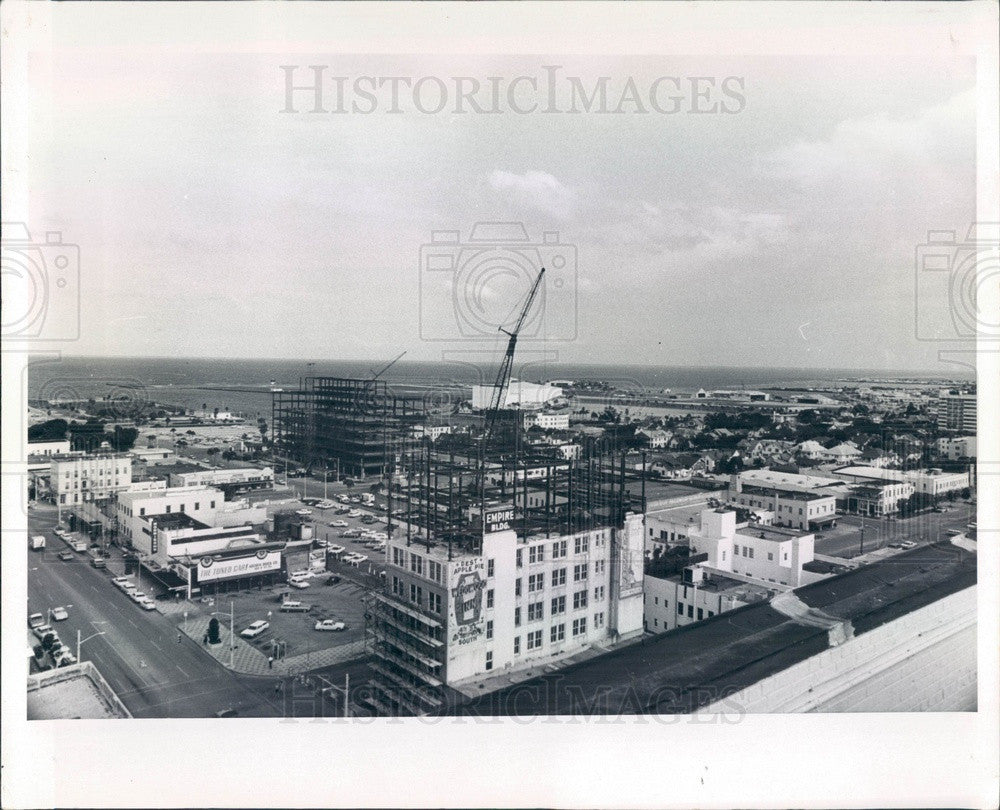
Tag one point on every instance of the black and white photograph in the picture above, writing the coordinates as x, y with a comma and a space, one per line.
450, 404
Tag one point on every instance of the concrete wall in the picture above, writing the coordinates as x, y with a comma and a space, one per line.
923, 661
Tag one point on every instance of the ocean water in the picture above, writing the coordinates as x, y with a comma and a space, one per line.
244, 385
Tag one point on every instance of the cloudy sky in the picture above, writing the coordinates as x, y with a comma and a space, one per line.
780, 231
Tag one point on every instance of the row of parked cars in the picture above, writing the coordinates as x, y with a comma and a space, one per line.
131, 590
49, 641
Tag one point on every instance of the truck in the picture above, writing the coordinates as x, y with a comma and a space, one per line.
37, 542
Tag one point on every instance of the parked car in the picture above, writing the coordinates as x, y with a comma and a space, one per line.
333, 548
255, 629
99, 562
298, 583
367, 519
339, 524
908, 544
136, 595
59, 614
42, 630
351, 533
146, 603
303, 512
36, 620
354, 513
330, 624
295, 606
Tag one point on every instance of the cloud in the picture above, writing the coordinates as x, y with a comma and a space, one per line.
537, 190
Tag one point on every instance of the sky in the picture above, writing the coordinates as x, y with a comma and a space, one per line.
779, 228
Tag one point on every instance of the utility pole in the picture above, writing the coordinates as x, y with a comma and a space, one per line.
862, 551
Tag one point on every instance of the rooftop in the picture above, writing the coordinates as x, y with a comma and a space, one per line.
701, 663
771, 477
77, 692
175, 520
777, 534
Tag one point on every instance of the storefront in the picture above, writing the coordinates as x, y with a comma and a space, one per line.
232, 570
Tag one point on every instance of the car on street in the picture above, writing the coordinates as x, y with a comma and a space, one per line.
908, 544
136, 595
122, 582
354, 513
339, 524
355, 558
146, 603
329, 624
59, 614
98, 562
36, 620
255, 629
59, 532
66, 556
42, 630
351, 533
294, 606
303, 512
343, 510
368, 519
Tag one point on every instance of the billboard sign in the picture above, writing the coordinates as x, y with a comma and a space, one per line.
500, 519
466, 608
210, 568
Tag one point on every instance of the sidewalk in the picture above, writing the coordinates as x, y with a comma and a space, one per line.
248, 660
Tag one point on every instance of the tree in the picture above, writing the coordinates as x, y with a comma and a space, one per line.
50, 431
213, 631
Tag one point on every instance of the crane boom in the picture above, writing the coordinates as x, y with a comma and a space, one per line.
503, 376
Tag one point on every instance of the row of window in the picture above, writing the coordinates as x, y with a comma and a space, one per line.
557, 633
536, 553
434, 602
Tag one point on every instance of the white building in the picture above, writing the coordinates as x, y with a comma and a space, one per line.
877, 499
804, 502
547, 421
132, 508
519, 394
432, 432
655, 439
954, 449
933, 482
670, 602
245, 477
154, 455
522, 602
48, 448
82, 477
956, 411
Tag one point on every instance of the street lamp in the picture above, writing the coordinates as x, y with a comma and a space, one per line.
79, 642
345, 689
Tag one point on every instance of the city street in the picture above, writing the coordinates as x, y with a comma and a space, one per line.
845, 539
138, 652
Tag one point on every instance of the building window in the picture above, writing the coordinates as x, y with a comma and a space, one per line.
736, 550
581, 545
557, 633
558, 549
535, 611
197, 505
680, 608
701, 614
558, 605
690, 611
142, 511
489, 660
536, 582
182, 507
517, 587
489, 598
656, 599
212, 505
434, 602
517, 645
599, 567
489, 629
579, 626
711, 613
579, 572
579, 600
536, 554
558, 577
534, 639
489, 568
599, 620
417, 564
517, 617
168, 509
770, 556
519, 555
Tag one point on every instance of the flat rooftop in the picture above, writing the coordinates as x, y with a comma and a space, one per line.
696, 665
687, 514
778, 534
175, 520
71, 694
780, 479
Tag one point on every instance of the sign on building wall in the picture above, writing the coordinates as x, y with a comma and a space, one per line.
498, 520
630, 554
263, 561
467, 584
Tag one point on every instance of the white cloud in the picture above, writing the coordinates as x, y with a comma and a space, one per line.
537, 190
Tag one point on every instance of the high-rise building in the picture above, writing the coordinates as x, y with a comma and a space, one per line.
957, 411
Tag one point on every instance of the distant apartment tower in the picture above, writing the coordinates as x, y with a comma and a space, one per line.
957, 411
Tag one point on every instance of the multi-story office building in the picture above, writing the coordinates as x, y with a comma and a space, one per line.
76, 478
956, 411
797, 501
956, 448
454, 620
547, 421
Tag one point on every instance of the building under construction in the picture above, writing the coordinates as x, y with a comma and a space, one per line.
498, 565
353, 427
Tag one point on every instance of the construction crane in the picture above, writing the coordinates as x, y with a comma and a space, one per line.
503, 381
